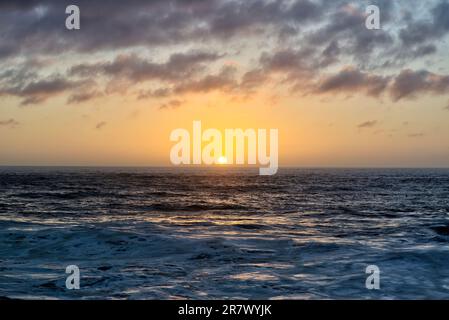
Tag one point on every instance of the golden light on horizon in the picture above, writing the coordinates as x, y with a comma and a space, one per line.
222, 160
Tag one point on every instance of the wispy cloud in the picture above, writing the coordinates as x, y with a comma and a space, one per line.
34, 90
172, 104
368, 124
83, 96
100, 125
138, 69
11, 123
416, 135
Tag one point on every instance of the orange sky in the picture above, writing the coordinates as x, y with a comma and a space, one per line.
117, 103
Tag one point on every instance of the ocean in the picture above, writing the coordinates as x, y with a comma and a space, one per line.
148, 233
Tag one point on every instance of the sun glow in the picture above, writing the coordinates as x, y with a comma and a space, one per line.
222, 160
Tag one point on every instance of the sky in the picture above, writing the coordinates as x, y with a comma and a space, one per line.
110, 93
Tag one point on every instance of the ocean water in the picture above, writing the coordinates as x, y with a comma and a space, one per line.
228, 233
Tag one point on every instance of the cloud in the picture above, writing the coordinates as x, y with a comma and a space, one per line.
416, 135
346, 24
418, 31
287, 60
157, 93
123, 72
307, 46
409, 83
224, 80
351, 80
138, 69
172, 104
117, 25
11, 123
161, 23
129, 70
100, 125
368, 124
83, 96
33, 89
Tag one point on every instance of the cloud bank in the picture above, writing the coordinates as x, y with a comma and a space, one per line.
168, 49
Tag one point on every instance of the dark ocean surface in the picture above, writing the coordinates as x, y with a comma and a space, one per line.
224, 233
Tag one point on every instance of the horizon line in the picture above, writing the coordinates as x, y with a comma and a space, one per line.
223, 166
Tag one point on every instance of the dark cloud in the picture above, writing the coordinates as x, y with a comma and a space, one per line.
409, 83
138, 69
37, 91
253, 79
141, 23
346, 24
331, 54
126, 70
294, 68
419, 31
368, 124
288, 60
416, 33
181, 72
115, 24
424, 50
304, 42
83, 96
224, 81
351, 80
157, 93
244, 17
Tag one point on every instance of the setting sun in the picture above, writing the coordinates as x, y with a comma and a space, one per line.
222, 160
